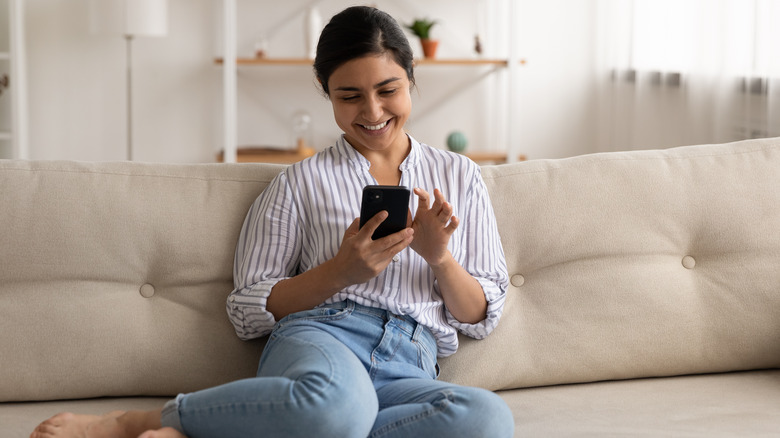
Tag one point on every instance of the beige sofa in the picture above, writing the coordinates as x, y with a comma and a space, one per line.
644, 297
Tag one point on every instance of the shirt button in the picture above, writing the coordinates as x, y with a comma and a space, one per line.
396, 258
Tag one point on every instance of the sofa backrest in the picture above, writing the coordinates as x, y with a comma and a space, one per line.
113, 276
634, 264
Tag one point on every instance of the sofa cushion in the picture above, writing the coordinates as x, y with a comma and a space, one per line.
114, 277
634, 264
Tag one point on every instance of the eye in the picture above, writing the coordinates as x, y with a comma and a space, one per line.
349, 98
388, 92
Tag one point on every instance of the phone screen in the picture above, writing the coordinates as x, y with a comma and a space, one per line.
393, 199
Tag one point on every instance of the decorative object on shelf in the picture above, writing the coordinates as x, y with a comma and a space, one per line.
421, 27
302, 129
129, 18
457, 141
261, 47
311, 31
477, 45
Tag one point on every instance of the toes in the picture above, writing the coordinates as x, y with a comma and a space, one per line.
48, 427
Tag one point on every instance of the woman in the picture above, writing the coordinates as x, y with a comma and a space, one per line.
355, 324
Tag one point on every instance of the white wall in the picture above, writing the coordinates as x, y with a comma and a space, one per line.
77, 86
558, 86
77, 81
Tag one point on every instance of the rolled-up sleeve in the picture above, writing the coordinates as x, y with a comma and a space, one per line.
483, 257
267, 252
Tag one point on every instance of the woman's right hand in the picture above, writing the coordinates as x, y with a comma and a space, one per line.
360, 258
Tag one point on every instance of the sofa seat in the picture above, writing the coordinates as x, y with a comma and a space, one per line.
744, 404
712, 405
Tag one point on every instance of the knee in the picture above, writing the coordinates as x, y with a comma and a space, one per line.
482, 413
347, 410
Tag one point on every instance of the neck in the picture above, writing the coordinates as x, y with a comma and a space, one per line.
385, 164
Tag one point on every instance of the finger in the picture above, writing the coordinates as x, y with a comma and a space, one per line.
393, 239
423, 197
409, 218
445, 213
372, 224
438, 200
454, 222
396, 242
352, 229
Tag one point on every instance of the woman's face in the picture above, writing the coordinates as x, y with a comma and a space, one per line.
371, 102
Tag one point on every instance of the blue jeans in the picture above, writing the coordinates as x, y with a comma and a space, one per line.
343, 370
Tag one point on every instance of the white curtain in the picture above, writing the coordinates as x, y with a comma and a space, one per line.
676, 72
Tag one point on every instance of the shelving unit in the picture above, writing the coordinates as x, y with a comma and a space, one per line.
418, 62
230, 64
13, 97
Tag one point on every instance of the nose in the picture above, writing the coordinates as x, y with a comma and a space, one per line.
372, 109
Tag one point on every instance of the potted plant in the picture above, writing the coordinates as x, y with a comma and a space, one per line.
422, 29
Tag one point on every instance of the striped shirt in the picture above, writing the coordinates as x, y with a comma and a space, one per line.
299, 220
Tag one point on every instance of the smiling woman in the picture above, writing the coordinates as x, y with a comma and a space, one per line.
356, 324
367, 72
371, 104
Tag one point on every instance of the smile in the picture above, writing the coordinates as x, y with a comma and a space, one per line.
375, 127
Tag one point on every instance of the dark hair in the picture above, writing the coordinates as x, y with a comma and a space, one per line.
356, 32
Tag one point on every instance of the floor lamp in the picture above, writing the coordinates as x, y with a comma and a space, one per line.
130, 19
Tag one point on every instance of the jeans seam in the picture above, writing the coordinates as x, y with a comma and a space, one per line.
309, 394
436, 408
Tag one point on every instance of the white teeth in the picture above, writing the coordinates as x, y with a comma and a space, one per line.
375, 127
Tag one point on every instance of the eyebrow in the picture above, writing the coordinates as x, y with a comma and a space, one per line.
379, 85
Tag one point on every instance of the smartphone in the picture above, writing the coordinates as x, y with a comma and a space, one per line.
393, 199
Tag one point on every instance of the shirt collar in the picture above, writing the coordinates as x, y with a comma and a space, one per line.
358, 160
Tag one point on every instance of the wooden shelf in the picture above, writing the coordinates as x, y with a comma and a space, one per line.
309, 62
465, 61
485, 157
271, 155
290, 156
269, 61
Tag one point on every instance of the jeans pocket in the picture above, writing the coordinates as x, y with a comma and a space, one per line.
427, 358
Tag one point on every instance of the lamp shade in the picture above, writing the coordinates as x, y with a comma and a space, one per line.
129, 17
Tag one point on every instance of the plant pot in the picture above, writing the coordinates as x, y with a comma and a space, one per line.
429, 47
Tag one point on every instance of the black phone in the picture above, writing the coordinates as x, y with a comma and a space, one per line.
393, 199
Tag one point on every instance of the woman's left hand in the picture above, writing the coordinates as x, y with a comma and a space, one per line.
433, 227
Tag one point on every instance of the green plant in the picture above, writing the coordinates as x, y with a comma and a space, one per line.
421, 27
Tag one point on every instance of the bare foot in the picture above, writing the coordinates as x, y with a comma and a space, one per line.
117, 424
68, 425
165, 432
